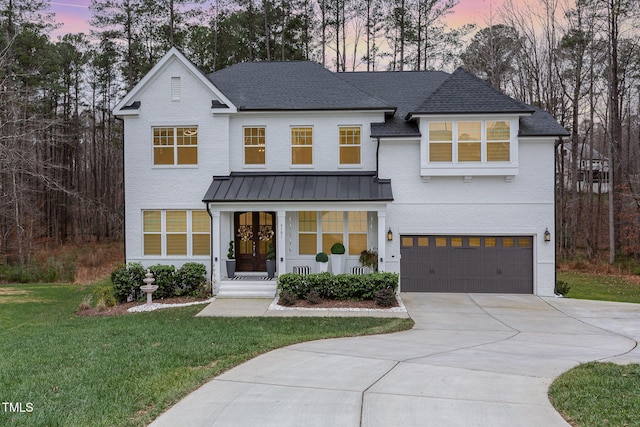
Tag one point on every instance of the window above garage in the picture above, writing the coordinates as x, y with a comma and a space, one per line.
469, 146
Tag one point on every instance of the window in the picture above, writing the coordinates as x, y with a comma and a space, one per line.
332, 229
350, 145
254, 145
307, 232
470, 141
301, 146
175, 145
498, 138
318, 231
175, 88
152, 229
176, 233
440, 141
357, 226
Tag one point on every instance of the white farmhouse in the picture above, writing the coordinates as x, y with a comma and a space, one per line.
449, 181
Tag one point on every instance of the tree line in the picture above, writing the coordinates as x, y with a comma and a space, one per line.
61, 149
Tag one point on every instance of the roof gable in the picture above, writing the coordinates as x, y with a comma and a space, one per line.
463, 93
126, 105
291, 85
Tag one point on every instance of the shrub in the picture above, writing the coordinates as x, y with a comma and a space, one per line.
287, 298
191, 280
562, 288
322, 257
341, 286
86, 303
385, 297
165, 276
104, 294
126, 281
314, 297
337, 249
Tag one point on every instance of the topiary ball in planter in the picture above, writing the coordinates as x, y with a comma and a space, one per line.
322, 257
338, 249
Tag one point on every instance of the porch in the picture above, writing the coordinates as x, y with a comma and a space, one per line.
289, 219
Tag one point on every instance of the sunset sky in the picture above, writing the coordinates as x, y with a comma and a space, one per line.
74, 14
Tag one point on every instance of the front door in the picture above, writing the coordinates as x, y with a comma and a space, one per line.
254, 233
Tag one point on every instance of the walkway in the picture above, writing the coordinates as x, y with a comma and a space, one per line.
470, 360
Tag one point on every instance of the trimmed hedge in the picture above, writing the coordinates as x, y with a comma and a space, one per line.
188, 280
340, 286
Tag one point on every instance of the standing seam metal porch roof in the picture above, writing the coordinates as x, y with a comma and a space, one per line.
283, 186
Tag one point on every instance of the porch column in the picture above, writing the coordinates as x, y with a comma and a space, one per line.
281, 243
216, 259
382, 240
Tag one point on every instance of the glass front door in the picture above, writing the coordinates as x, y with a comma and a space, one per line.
254, 234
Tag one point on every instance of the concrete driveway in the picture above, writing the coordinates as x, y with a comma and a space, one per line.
470, 360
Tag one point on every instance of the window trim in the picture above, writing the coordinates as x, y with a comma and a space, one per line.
164, 233
311, 146
349, 165
346, 231
469, 168
244, 147
175, 146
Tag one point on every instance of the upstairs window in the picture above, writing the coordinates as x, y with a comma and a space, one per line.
175, 145
254, 146
301, 146
476, 141
440, 141
350, 145
498, 141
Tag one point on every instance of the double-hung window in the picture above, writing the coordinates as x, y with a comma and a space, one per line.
301, 146
350, 145
318, 231
175, 145
176, 233
254, 145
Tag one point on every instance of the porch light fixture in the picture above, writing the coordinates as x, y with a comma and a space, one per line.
389, 235
547, 235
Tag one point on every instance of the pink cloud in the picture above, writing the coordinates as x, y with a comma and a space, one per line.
73, 17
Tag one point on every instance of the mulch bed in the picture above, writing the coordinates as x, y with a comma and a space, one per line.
122, 308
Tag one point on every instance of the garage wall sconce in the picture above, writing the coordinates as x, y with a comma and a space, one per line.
389, 235
547, 235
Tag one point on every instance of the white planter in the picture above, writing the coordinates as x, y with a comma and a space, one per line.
337, 264
322, 267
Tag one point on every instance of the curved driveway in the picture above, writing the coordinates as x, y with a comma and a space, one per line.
470, 360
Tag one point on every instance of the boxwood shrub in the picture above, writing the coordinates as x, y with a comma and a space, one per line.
188, 280
341, 286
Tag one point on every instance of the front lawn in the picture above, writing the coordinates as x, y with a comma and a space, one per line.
602, 287
60, 369
598, 394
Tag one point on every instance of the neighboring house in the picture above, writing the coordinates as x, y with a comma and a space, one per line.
449, 180
590, 163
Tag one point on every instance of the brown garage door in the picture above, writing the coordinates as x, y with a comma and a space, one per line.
501, 264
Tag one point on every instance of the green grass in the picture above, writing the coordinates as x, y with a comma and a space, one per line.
601, 287
598, 394
126, 370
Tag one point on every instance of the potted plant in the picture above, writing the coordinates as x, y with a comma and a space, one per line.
322, 262
271, 261
369, 258
231, 261
337, 258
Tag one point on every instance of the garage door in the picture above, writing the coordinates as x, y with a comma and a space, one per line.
502, 264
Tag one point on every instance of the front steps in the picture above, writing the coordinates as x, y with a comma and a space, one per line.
247, 285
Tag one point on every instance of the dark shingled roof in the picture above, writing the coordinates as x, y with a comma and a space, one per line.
295, 85
284, 186
307, 86
463, 93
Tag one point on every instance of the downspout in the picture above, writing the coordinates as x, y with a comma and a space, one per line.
556, 182
210, 249
124, 199
377, 157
